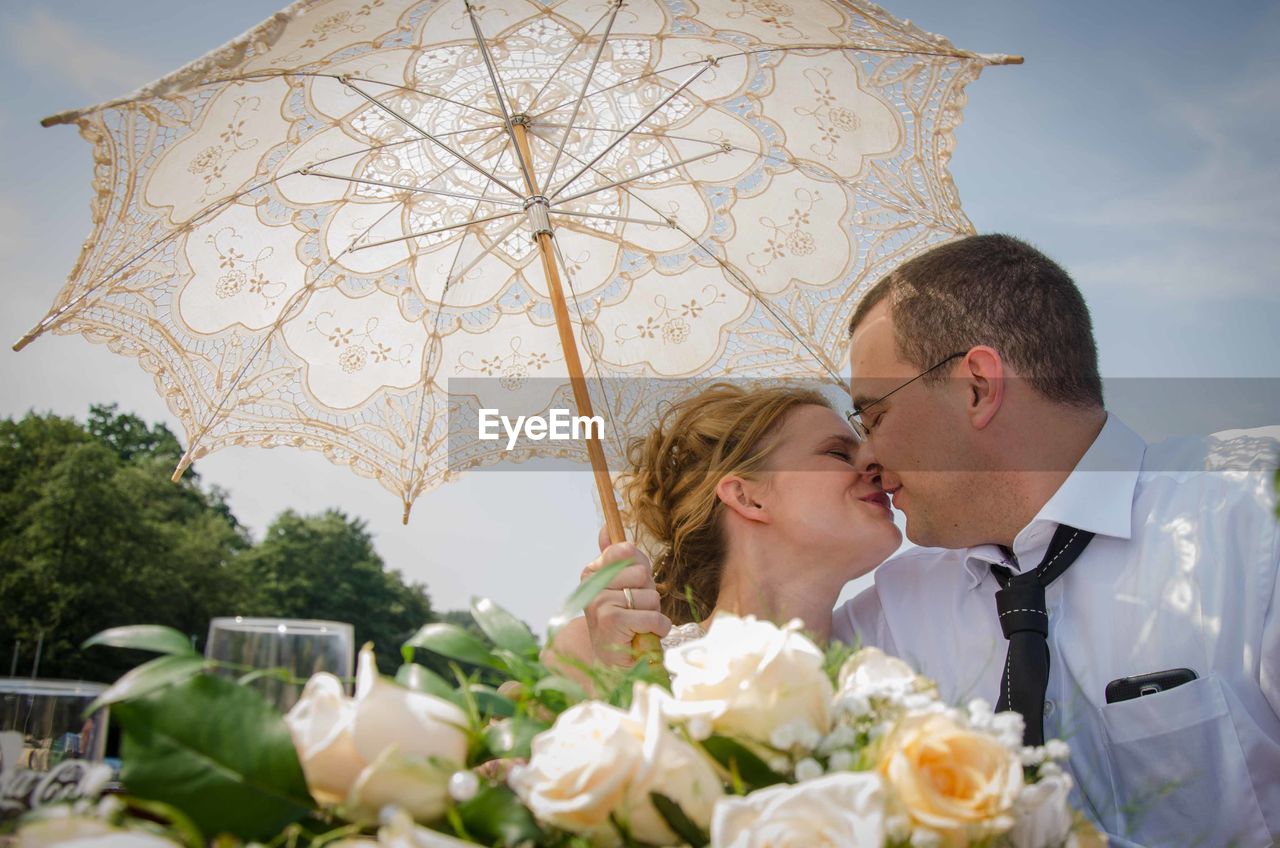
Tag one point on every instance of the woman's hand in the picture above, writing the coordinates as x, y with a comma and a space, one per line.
627, 606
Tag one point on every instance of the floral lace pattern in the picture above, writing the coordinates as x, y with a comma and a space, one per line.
302, 234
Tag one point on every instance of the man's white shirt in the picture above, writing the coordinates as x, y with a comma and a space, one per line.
1182, 573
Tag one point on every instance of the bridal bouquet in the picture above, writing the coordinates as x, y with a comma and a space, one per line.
760, 738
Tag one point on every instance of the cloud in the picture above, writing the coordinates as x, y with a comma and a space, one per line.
1207, 228
46, 45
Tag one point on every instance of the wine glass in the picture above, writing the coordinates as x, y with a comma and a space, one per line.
297, 647
49, 715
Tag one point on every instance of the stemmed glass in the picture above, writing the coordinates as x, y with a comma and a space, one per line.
286, 651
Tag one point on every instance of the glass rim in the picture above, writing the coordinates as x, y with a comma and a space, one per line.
45, 686
273, 625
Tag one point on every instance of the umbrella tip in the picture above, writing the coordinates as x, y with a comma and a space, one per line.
31, 336
1000, 59
408, 505
183, 465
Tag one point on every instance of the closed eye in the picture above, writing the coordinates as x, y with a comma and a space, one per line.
841, 453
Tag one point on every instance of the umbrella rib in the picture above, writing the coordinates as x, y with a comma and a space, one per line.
666, 222
499, 91
342, 79
54, 316
382, 183
567, 56
430, 137
582, 95
434, 231
777, 48
745, 283
644, 174
706, 63
435, 334
294, 303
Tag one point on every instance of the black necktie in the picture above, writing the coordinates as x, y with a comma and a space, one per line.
1025, 622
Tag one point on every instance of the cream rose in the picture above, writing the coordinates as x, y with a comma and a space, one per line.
750, 677
951, 780
597, 761
839, 809
381, 747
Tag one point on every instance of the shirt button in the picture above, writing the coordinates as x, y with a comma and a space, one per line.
1048, 708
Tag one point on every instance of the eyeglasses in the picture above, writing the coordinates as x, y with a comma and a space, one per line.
861, 430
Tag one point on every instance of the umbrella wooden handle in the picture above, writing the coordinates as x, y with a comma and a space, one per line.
646, 645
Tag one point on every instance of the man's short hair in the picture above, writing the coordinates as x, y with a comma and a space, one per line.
998, 291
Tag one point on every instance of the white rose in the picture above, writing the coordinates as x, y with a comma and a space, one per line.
871, 673
597, 761
839, 809
376, 748
61, 826
1041, 813
749, 677
320, 724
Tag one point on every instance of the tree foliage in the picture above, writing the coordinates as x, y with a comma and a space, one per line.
94, 535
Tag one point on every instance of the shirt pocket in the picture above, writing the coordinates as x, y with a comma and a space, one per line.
1179, 773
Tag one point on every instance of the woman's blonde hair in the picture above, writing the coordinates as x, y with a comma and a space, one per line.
669, 490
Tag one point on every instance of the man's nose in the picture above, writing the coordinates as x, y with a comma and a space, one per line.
865, 461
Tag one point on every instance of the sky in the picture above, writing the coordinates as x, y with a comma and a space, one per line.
1136, 146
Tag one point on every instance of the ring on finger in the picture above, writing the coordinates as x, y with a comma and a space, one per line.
631, 601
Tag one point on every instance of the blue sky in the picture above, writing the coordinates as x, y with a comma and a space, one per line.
1136, 146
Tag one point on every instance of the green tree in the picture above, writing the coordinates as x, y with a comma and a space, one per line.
93, 535
325, 566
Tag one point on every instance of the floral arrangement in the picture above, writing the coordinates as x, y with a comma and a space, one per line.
760, 738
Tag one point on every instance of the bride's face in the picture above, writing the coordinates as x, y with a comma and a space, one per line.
819, 501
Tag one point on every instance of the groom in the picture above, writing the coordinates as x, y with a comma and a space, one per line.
1043, 521
1121, 596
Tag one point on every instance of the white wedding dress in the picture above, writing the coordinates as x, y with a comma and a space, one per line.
681, 634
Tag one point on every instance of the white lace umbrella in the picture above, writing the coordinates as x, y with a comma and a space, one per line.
305, 235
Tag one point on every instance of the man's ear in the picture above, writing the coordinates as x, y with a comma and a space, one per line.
984, 371
739, 495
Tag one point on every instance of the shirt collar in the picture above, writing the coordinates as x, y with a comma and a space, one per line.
1097, 496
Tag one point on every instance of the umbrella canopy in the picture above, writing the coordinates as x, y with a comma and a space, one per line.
308, 234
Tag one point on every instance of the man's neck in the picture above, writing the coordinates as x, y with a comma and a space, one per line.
1035, 468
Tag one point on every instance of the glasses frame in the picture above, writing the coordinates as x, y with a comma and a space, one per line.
854, 416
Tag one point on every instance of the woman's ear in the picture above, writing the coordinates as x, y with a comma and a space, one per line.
984, 371
739, 495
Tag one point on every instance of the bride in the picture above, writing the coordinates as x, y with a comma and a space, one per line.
750, 502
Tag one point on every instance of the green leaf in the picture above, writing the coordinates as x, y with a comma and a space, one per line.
736, 757
496, 816
144, 637
680, 824
453, 642
513, 737
423, 679
570, 689
589, 588
490, 703
147, 678
503, 628
216, 751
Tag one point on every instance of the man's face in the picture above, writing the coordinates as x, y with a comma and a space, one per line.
916, 436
